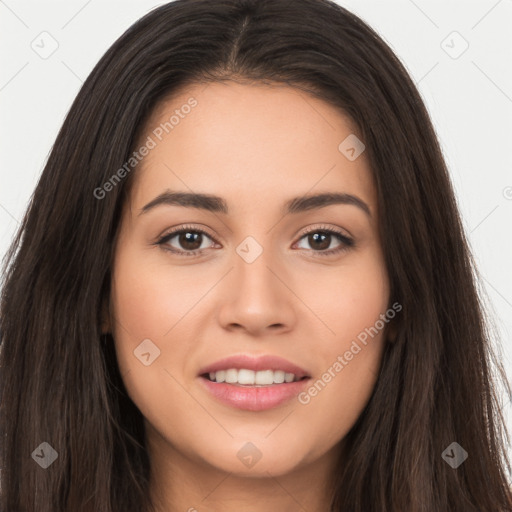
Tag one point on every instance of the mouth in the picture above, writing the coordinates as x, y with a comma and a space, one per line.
253, 383
249, 378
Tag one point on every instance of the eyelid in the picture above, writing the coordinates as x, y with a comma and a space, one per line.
323, 227
186, 227
347, 242
162, 239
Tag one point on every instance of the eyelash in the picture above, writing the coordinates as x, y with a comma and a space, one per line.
346, 242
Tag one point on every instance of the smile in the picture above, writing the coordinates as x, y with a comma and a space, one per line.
247, 377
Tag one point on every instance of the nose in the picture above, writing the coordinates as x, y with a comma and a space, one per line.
256, 297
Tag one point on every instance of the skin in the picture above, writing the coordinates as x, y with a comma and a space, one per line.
256, 146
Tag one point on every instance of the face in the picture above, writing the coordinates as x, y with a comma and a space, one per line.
258, 271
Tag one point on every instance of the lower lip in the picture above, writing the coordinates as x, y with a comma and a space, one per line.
252, 398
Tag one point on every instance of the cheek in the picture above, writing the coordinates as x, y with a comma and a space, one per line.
146, 305
148, 297
350, 298
338, 394
351, 349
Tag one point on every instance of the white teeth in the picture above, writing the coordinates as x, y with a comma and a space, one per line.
247, 377
263, 377
279, 376
231, 376
250, 377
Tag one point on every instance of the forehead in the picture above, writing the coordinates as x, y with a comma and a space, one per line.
252, 144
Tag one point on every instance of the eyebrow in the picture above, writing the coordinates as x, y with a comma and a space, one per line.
217, 204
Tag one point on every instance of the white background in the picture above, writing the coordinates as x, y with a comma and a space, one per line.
469, 99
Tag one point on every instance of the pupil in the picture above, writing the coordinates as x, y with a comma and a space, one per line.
187, 240
190, 240
324, 244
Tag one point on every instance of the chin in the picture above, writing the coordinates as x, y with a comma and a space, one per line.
246, 460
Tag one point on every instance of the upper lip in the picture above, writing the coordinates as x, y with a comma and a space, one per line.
266, 362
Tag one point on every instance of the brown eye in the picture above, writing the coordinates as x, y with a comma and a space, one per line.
320, 239
188, 241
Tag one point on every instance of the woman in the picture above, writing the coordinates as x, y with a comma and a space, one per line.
243, 283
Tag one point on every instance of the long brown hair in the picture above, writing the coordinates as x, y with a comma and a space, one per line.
60, 382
